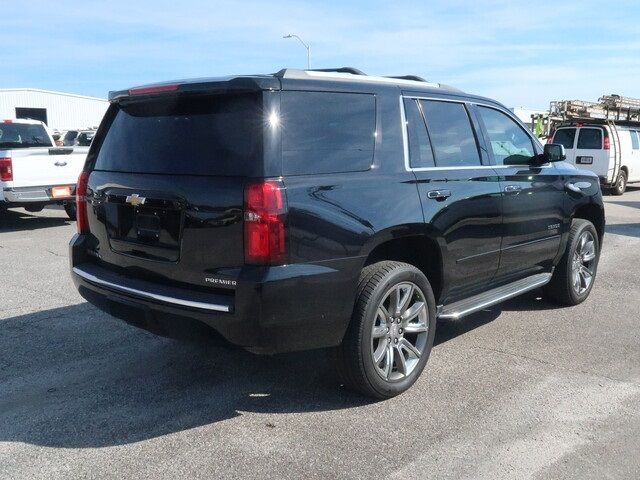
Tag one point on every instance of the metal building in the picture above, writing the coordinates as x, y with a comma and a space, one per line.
62, 111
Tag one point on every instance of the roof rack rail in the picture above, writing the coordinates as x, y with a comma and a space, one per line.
415, 78
353, 74
351, 70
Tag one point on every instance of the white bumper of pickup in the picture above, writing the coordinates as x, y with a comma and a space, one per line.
31, 195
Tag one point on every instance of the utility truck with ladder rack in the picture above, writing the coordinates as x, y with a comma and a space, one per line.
603, 137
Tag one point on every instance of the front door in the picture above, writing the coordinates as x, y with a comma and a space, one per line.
532, 198
460, 195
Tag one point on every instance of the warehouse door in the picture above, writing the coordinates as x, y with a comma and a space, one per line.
32, 113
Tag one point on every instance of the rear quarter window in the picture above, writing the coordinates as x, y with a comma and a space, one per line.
326, 132
565, 137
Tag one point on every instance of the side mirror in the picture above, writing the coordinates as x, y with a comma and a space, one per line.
554, 152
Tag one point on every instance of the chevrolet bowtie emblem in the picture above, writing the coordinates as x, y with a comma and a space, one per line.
135, 199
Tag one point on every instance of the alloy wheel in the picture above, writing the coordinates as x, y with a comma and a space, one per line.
399, 332
584, 259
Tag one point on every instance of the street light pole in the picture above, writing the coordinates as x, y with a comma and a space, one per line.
305, 46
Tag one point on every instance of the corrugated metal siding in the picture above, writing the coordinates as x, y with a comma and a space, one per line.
64, 111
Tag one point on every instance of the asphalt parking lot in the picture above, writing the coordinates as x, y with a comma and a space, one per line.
522, 390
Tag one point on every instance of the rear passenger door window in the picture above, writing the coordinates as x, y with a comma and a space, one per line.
565, 137
590, 139
420, 152
326, 132
510, 144
452, 138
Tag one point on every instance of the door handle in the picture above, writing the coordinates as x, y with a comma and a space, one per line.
512, 189
60, 164
438, 194
578, 186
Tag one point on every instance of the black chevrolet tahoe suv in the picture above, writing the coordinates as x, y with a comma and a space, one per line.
326, 208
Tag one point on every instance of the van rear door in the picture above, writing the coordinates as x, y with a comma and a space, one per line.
566, 136
590, 153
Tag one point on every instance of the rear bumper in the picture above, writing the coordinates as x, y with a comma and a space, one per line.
30, 195
272, 309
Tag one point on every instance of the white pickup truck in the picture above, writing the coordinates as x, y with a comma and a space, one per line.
33, 171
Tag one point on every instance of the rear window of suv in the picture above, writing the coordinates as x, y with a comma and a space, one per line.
196, 135
326, 132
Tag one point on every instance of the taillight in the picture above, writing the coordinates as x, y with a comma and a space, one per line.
550, 139
264, 223
6, 169
81, 202
607, 145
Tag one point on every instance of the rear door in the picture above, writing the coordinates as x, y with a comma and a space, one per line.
460, 195
590, 153
167, 184
533, 197
566, 136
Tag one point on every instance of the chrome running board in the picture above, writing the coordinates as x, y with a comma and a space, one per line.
478, 302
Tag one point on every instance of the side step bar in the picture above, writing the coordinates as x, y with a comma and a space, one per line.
478, 302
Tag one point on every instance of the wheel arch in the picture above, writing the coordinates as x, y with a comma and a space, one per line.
415, 247
593, 213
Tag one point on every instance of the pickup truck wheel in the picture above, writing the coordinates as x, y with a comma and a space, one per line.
573, 278
70, 208
391, 333
35, 208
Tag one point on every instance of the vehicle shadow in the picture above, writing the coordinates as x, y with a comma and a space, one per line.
626, 204
73, 377
19, 220
627, 229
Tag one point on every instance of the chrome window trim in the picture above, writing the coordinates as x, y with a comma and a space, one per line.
153, 296
405, 140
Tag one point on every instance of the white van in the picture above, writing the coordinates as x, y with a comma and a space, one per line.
610, 151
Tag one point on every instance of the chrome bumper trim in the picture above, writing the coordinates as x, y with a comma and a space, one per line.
149, 295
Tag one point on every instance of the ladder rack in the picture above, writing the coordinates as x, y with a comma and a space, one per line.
609, 108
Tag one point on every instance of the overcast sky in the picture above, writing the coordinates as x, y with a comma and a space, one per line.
523, 53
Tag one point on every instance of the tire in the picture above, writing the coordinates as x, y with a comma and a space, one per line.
410, 338
34, 208
70, 208
621, 185
563, 288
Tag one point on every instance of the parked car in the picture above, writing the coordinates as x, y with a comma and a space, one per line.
598, 148
33, 172
310, 209
81, 138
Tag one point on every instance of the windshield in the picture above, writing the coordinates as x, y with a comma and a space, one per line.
23, 135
